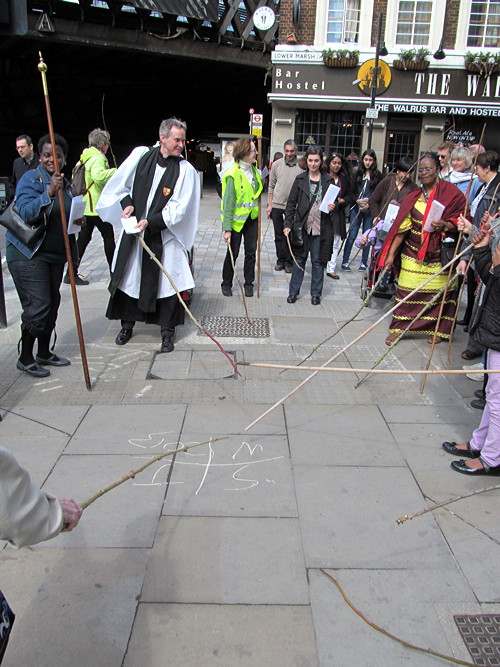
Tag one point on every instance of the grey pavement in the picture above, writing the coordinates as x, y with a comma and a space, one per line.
215, 557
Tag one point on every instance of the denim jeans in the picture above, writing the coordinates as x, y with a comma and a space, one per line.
357, 218
317, 268
37, 284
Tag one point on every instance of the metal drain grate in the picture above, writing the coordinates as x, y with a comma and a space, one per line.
235, 327
481, 634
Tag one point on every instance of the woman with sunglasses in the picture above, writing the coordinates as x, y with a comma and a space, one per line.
416, 253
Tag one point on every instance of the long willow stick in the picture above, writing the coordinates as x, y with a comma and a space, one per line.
396, 341
388, 634
192, 317
407, 517
351, 319
42, 68
362, 335
231, 257
386, 371
132, 473
459, 300
291, 253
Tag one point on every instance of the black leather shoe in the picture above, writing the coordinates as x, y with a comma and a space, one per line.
288, 268
315, 300
479, 393
292, 298
124, 336
451, 448
53, 360
33, 369
78, 280
461, 466
478, 403
167, 343
227, 291
279, 267
469, 356
249, 290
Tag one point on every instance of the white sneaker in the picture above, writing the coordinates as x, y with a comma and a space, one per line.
473, 367
477, 377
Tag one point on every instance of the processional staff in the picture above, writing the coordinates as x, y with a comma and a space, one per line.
42, 68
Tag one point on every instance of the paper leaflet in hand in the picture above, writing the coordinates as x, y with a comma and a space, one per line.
129, 225
76, 215
435, 214
390, 216
330, 196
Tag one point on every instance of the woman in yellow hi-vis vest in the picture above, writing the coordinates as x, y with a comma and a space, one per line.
241, 189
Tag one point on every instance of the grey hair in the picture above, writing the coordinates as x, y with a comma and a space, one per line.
98, 138
290, 142
462, 154
167, 125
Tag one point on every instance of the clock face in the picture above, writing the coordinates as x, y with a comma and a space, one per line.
264, 18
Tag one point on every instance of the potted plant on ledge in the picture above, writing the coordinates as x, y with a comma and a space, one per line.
412, 59
340, 57
482, 62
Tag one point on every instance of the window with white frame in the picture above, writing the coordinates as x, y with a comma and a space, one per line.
343, 21
414, 22
484, 24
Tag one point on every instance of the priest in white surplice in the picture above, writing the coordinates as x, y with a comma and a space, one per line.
162, 190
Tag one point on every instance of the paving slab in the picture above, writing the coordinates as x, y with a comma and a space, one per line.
219, 635
72, 607
36, 454
340, 435
23, 418
395, 413
235, 561
125, 517
246, 475
402, 605
474, 542
335, 501
128, 429
232, 418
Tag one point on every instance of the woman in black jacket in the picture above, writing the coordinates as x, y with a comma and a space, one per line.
484, 446
310, 230
338, 170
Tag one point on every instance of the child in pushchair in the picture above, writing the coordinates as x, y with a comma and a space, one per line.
375, 237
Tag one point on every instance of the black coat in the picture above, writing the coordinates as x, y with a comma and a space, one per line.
297, 211
340, 210
486, 327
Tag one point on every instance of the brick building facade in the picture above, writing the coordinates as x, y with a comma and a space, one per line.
416, 109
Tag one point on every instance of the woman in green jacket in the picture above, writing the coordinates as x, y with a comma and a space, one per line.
241, 189
97, 174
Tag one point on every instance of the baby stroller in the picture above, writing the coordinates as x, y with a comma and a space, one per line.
375, 237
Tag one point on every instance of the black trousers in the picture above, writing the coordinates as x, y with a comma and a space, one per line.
107, 233
249, 233
283, 255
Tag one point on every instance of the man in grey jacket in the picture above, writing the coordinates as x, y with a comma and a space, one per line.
281, 178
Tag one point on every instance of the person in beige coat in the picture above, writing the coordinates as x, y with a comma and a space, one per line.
27, 514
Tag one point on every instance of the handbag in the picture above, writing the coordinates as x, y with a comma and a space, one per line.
26, 232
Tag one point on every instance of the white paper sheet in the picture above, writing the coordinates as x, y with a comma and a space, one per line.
129, 225
390, 216
330, 196
76, 213
435, 214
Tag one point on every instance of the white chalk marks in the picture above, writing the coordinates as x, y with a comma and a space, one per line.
225, 466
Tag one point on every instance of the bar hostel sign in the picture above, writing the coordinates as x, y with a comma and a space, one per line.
436, 91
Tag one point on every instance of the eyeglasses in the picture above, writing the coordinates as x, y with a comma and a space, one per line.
426, 170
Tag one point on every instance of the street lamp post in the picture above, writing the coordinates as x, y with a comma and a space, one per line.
375, 77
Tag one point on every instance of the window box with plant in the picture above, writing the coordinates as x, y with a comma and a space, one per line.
412, 59
340, 58
482, 62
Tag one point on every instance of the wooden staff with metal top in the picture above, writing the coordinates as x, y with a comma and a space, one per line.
42, 68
